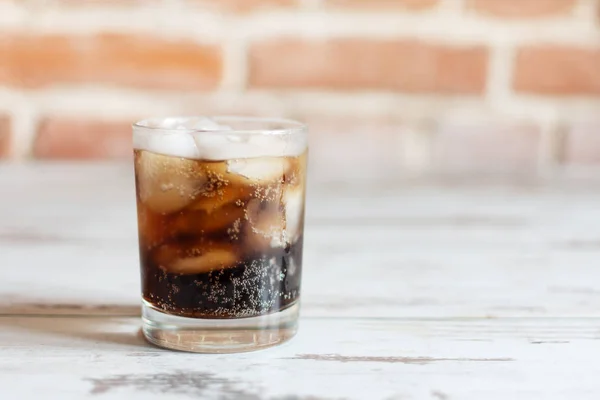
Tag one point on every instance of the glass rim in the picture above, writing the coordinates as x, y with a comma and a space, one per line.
287, 126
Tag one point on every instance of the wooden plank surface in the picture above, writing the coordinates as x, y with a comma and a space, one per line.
426, 289
68, 242
105, 358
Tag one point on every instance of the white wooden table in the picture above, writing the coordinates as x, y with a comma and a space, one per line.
419, 290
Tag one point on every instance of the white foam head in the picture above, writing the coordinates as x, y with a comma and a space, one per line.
204, 138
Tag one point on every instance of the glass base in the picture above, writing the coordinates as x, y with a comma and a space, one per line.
218, 335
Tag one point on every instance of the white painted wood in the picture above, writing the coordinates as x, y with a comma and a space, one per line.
105, 358
419, 290
416, 249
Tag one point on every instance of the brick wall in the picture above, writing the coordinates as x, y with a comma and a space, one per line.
402, 85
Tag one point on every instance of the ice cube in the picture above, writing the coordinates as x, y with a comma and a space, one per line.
175, 136
197, 259
203, 222
212, 200
224, 146
293, 199
264, 216
258, 170
266, 223
220, 146
167, 184
220, 189
185, 123
177, 144
212, 260
205, 124
213, 146
213, 141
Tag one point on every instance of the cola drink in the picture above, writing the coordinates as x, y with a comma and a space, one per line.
220, 225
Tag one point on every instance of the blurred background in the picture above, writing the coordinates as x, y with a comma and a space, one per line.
389, 87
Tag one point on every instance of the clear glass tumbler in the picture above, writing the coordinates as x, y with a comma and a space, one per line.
220, 204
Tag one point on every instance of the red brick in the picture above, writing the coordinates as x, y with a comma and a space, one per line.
582, 145
83, 139
366, 146
408, 66
557, 71
243, 5
218, 5
521, 8
86, 3
486, 147
5, 136
412, 5
138, 61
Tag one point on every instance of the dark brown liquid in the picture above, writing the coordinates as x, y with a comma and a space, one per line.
217, 244
256, 286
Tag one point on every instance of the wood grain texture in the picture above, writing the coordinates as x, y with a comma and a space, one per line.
417, 249
105, 358
433, 290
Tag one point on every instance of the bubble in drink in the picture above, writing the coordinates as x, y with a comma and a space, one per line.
220, 231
